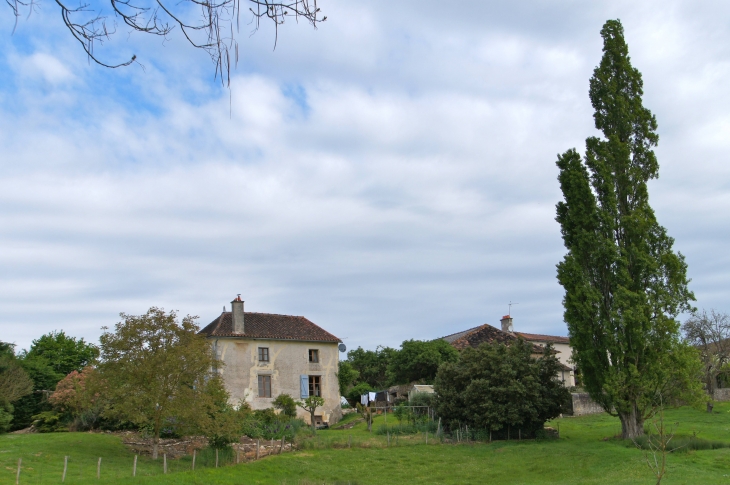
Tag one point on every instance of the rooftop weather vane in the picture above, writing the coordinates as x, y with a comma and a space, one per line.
510, 307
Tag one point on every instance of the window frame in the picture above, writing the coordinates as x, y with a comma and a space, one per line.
314, 356
263, 380
261, 352
315, 386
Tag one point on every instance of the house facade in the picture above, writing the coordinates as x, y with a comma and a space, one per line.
506, 335
265, 355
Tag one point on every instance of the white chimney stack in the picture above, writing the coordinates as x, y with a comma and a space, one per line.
507, 324
237, 311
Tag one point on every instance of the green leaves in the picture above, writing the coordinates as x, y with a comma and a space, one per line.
419, 360
624, 284
155, 368
495, 387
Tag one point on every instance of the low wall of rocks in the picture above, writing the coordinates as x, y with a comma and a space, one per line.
722, 394
582, 404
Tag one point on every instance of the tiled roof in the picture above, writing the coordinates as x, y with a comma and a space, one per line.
458, 335
536, 337
476, 336
269, 326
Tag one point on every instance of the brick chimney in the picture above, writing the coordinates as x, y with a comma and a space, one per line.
507, 324
237, 311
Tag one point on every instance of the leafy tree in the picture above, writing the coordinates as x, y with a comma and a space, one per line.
346, 376
155, 369
372, 365
44, 382
624, 284
221, 422
353, 395
310, 405
49, 359
286, 404
78, 398
64, 354
710, 334
14, 384
499, 387
419, 360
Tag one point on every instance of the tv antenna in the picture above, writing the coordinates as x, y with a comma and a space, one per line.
510, 308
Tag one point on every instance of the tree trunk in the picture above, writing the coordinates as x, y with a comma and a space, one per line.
632, 426
710, 405
155, 443
311, 417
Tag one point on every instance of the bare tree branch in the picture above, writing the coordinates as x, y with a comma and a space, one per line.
710, 334
213, 31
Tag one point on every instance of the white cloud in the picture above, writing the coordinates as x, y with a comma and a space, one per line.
406, 189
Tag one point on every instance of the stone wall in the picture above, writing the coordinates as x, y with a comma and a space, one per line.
583, 404
722, 394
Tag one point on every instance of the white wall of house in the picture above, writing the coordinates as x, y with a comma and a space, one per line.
564, 354
288, 361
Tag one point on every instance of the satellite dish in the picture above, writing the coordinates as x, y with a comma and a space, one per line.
342, 347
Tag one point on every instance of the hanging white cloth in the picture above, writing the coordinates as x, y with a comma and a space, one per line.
371, 396
364, 399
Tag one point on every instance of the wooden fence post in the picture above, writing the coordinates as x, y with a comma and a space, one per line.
388, 434
216, 457
164, 463
65, 467
17, 476
281, 448
134, 467
349, 441
258, 446
194, 450
238, 454
98, 469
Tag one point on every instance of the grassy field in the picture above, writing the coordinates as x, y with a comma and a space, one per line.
586, 453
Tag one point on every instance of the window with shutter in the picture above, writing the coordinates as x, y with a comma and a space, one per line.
315, 388
304, 386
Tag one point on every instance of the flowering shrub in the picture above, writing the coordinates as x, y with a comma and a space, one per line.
71, 394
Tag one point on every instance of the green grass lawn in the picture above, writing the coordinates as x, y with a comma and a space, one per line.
586, 453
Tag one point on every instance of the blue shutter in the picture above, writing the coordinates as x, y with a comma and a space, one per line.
304, 386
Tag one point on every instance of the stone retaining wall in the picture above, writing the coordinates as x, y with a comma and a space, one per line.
722, 394
582, 404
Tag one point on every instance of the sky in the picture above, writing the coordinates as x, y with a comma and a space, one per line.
390, 175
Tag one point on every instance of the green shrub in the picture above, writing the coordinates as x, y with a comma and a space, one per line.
287, 405
407, 428
6, 417
353, 395
422, 399
272, 429
49, 422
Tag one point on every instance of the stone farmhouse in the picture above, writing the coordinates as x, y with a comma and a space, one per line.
265, 355
506, 335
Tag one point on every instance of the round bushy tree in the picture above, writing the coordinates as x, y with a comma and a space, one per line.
497, 386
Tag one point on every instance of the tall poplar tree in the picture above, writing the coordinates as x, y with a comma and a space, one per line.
624, 284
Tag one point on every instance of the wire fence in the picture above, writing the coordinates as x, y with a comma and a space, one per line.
45, 468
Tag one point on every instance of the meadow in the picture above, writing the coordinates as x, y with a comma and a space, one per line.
587, 452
